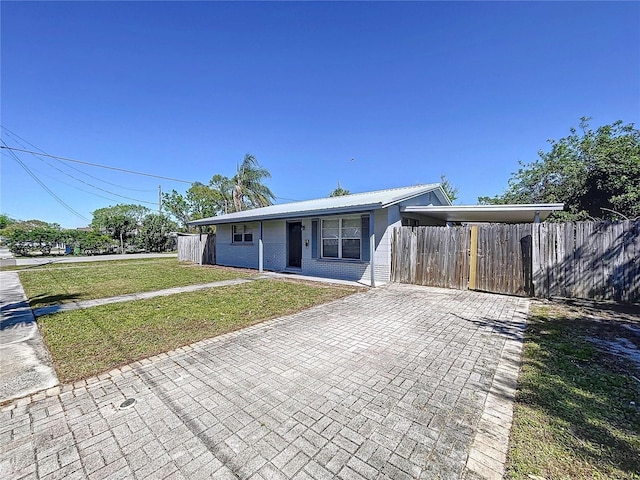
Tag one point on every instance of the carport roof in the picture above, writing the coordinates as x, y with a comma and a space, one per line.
523, 213
357, 202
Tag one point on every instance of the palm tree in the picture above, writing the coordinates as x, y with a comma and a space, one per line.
339, 192
248, 189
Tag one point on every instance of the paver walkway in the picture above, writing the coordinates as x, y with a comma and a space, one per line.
397, 382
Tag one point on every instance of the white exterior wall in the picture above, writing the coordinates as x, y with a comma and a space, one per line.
274, 236
244, 255
327, 268
382, 260
274, 240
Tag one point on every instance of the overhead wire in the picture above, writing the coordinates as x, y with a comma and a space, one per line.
87, 191
42, 153
65, 159
18, 139
96, 187
42, 184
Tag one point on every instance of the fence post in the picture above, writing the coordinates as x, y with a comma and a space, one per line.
473, 260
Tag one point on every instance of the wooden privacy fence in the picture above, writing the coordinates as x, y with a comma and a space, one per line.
198, 248
594, 260
434, 256
598, 260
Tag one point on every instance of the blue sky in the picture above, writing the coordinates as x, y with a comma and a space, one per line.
409, 91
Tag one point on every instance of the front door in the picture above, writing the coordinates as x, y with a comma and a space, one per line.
294, 233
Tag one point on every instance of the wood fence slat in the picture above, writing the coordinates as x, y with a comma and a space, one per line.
578, 260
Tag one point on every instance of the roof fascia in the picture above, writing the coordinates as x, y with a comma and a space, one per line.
529, 207
284, 216
408, 197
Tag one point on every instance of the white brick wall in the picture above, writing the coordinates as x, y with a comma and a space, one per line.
244, 255
275, 248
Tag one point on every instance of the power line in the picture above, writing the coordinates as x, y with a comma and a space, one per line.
95, 186
64, 159
17, 138
47, 189
93, 193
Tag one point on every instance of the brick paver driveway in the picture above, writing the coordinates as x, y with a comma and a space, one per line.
390, 383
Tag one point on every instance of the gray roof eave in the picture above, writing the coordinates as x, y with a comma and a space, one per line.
246, 216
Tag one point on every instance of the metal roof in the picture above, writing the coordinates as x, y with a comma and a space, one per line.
357, 202
512, 213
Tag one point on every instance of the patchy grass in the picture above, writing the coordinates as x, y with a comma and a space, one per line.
577, 411
60, 283
87, 342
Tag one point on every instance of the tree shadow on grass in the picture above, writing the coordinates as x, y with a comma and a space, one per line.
46, 300
586, 393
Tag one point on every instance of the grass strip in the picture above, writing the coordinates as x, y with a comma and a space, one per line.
73, 282
87, 342
576, 414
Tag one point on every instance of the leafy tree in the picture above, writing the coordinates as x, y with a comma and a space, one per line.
224, 187
22, 240
204, 201
222, 195
249, 190
596, 174
119, 221
46, 238
154, 233
449, 189
339, 191
178, 207
200, 201
5, 221
88, 242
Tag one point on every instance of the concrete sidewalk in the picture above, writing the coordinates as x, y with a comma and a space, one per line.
66, 307
25, 364
35, 261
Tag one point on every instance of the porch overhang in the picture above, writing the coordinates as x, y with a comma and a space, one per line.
524, 213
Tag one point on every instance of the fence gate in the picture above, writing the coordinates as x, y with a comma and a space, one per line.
491, 257
594, 260
503, 259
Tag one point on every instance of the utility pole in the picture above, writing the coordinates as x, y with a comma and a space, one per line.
159, 198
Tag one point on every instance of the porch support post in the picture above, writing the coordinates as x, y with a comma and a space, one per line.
200, 246
260, 250
372, 248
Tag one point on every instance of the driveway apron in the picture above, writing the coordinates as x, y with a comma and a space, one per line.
390, 383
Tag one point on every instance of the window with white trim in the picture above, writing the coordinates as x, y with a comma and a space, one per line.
242, 234
341, 238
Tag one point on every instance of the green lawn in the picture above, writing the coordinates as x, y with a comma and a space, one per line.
87, 342
577, 410
60, 283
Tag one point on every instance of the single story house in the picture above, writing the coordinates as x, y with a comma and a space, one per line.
347, 237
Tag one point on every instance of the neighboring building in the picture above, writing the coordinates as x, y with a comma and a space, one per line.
346, 237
